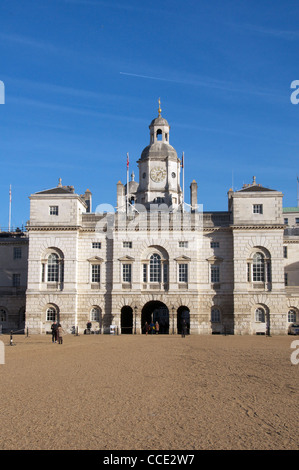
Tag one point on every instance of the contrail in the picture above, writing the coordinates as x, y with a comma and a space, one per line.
147, 76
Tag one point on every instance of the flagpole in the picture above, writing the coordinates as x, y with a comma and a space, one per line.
183, 167
297, 192
9, 217
127, 182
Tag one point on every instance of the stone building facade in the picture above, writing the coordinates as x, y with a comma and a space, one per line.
156, 258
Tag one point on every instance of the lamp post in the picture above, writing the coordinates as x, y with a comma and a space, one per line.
135, 311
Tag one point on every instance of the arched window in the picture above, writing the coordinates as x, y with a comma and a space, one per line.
95, 314
292, 316
258, 268
53, 268
3, 314
260, 315
51, 314
155, 268
215, 315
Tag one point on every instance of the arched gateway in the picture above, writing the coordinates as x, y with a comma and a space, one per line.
156, 311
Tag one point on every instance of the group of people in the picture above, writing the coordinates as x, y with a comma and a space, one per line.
151, 328
57, 332
154, 328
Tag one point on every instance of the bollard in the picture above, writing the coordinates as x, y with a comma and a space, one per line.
11, 343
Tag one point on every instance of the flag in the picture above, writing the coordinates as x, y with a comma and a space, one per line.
127, 160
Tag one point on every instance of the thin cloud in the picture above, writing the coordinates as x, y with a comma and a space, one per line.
290, 35
235, 87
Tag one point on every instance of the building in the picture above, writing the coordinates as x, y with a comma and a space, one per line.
156, 258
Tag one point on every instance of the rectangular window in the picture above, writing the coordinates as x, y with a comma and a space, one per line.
127, 272
215, 274
285, 279
257, 208
127, 244
297, 220
16, 280
17, 252
183, 244
53, 210
285, 251
183, 272
96, 245
95, 273
144, 273
165, 273
286, 221
215, 245
43, 272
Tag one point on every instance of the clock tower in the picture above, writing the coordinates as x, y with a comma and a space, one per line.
159, 168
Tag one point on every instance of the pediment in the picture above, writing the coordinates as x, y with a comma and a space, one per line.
126, 258
95, 259
182, 258
215, 259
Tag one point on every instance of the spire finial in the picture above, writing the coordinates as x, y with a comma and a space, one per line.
159, 110
59, 183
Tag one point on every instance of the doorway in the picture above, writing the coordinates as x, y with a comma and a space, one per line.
156, 311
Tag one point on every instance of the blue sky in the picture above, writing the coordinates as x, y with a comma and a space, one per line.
83, 77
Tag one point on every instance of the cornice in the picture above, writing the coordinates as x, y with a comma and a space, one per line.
52, 228
258, 227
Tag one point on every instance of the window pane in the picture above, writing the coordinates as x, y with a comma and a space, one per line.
53, 268
258, 268
165, 273
145, 273
51, 314
17, 252
215, 276
95, 314
16, 280
215, 315
155, 268
127, 270
183, 272
95, 273
292, 316
260, 315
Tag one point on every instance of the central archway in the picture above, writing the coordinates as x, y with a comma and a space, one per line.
156, 311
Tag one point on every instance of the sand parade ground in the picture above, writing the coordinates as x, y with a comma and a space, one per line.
127, 392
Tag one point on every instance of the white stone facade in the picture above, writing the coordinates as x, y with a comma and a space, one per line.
223, 272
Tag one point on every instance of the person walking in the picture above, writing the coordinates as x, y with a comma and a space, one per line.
157, 328
60, 332
54, 332
146, 328
184, 328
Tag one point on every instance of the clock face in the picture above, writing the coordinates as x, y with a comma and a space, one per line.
158, 174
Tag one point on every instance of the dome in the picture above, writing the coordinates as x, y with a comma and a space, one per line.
158, 149
159, 121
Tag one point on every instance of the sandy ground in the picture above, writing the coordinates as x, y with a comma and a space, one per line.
149, 393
